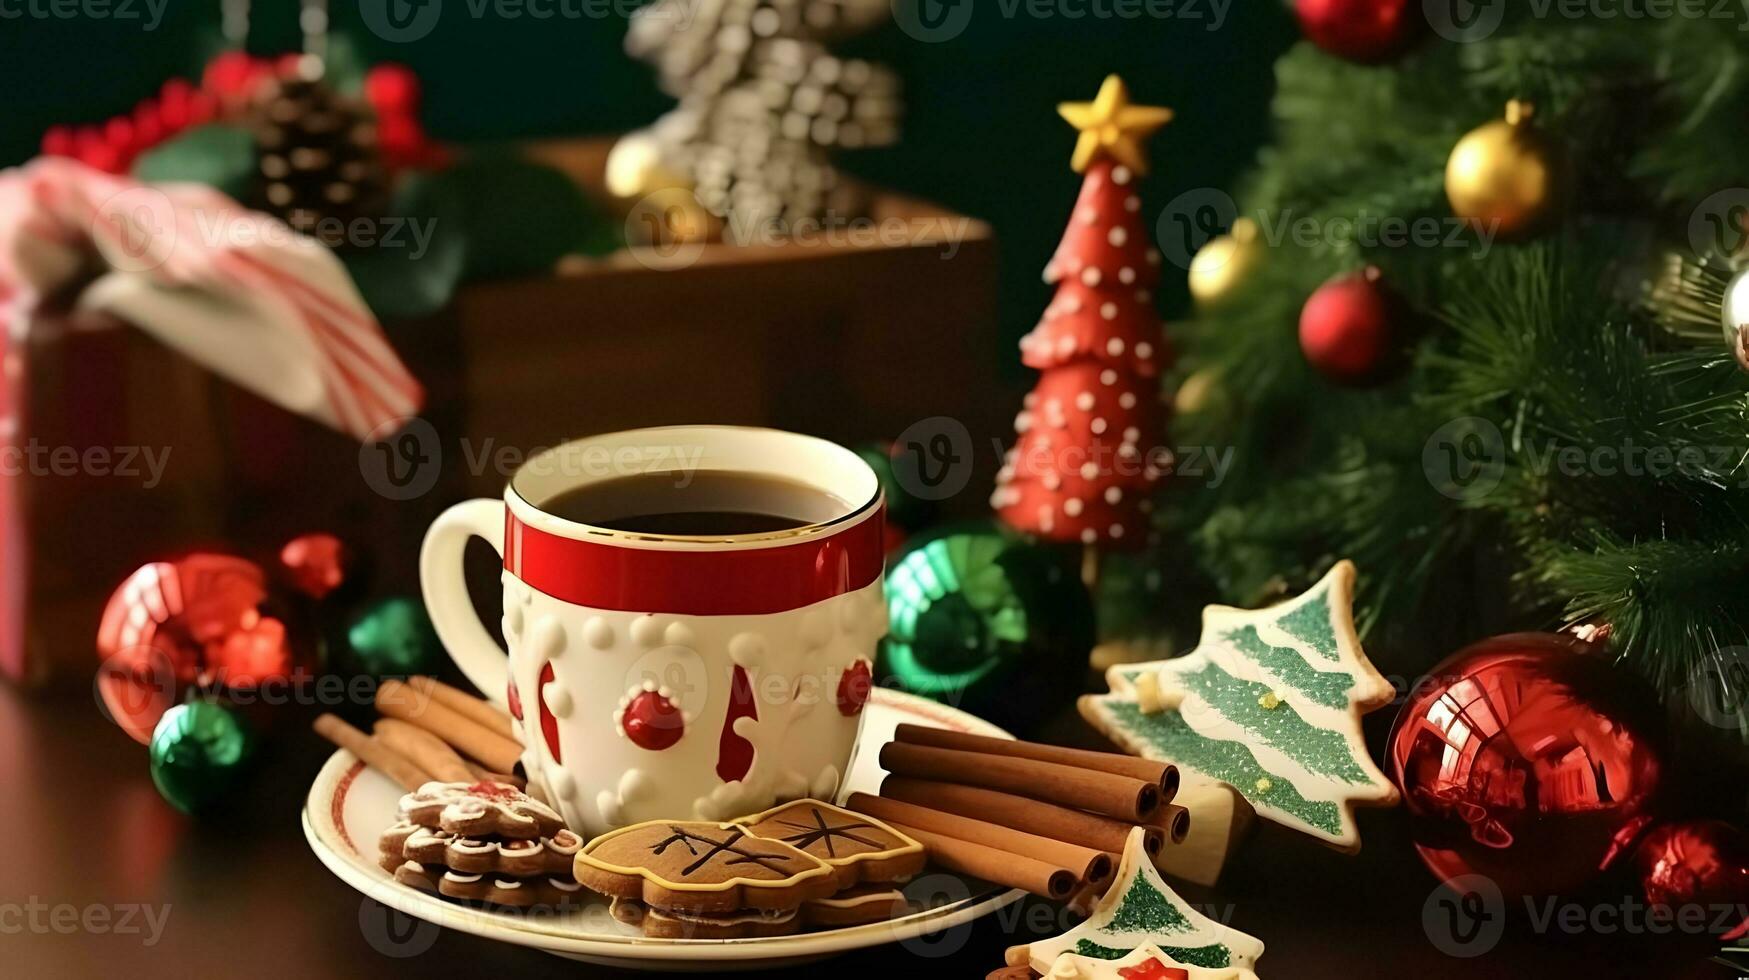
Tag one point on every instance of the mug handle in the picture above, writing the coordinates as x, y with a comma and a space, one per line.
469, 643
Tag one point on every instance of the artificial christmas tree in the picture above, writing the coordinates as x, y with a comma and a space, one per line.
1089, 449
1553, 451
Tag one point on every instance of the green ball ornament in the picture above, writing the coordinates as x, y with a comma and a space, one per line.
394, 638
989, 622
198, 752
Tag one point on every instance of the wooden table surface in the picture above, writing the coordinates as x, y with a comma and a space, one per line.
239, 893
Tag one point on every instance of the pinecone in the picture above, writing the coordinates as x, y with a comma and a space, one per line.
318, 158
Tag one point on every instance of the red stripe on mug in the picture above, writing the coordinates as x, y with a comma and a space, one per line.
742, 582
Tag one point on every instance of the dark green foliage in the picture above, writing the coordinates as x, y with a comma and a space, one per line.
1553, 343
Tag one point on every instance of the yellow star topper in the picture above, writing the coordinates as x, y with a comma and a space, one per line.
1111, 125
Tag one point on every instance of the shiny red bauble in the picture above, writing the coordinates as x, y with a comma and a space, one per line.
1366, 31
316, 564
1695, 863
1348, 329
171, 625
1529, 759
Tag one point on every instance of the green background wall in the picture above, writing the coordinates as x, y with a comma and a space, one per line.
981, 133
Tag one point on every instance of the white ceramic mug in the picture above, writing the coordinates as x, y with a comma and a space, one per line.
672, 677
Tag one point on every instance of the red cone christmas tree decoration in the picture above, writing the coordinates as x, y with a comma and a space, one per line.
1089, 449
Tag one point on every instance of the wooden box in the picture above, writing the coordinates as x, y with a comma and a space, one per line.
847, 340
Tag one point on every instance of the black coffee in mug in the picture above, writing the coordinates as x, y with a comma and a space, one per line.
701, 503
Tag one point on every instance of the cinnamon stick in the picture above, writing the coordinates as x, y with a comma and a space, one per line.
474, 709
1087, 862
1163, 774
426, 750
397, 700
990, 864
1174, 821
1029, 816
1120, 797
372, 752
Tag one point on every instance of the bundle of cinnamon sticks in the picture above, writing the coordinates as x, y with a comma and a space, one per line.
1043, 818
431, 731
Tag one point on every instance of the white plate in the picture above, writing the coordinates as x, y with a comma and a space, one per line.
350, 806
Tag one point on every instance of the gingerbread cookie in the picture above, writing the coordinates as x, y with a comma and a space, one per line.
472, 855
516, 893
701, 868
855, 907
858, 848
746, 924
522, 893
483, 809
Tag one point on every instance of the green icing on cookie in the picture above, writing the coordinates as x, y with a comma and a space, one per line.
1317, 686
1169, 737
1094, 951
1145, 909
1319, 750
1210, 957
1310, 623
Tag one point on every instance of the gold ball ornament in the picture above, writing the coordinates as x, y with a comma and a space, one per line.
1199, 393
635, 168
1224, 262
1503, 176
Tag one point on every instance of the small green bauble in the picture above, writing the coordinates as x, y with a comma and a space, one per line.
394, 638
198, 752
989, 622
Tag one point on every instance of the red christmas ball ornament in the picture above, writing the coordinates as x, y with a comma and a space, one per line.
1528, 759
1364, 31
316, 563
1347, 329
1694, 862
173, 624
392, 90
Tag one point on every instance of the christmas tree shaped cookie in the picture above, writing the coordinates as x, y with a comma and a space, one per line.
1270, 703
1142, 921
